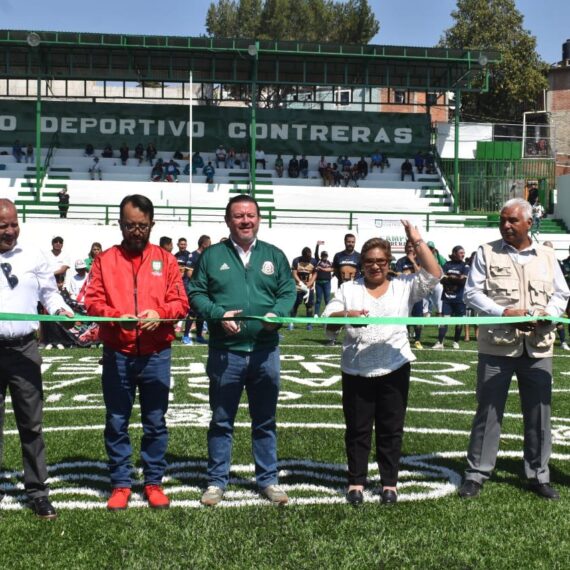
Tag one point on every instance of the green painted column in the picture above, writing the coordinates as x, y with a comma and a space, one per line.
456, 153
253, 124
38, 139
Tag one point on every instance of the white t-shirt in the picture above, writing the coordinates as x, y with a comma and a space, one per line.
75, 285
377, 350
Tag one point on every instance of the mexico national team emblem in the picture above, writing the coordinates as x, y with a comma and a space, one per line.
268, 268
156, 266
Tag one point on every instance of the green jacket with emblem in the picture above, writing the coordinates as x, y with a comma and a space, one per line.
222, 283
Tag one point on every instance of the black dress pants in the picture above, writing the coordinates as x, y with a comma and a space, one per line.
20, 372
379, 401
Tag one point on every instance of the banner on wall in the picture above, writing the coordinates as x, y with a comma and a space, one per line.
288, 131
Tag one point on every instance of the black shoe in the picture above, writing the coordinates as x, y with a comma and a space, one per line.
43, 508
354, 498
470, 489
544, 491
389, 497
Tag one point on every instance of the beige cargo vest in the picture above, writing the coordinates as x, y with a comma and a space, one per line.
518, 286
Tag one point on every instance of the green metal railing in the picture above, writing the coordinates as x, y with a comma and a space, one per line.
44, 172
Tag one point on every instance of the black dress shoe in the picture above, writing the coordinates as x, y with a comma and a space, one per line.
544, 491
470, 489
354, 498
389, 497
43, 508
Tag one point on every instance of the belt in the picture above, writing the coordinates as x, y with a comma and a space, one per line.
17, 341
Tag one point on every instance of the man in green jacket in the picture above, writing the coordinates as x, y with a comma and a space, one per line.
242, 276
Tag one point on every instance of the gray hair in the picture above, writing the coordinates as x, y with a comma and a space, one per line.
521, 203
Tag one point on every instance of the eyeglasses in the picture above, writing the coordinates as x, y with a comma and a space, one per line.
381, 262
128, 227
7, 270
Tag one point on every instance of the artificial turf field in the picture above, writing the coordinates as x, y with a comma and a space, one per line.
430, 527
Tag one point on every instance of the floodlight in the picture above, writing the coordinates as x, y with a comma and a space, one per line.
33, 39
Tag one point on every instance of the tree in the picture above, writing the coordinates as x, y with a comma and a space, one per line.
517, 82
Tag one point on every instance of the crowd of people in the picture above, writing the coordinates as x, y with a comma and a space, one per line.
242, 276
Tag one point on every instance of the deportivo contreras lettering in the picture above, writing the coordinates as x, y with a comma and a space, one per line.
268, 268
224, 267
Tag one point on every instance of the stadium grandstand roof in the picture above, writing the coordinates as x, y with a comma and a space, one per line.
117, 57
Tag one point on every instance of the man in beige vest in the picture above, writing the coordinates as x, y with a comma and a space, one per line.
514, 277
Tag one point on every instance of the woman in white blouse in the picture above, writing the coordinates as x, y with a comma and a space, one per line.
376, 359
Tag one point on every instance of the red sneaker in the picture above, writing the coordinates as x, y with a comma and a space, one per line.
156, 497
119, 499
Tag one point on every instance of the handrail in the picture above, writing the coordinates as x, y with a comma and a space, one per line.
47, 161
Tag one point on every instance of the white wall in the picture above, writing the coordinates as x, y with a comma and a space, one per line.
562, 208
469, 134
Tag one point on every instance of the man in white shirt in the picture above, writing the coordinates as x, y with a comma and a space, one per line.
78, 280
58, 260
25, 279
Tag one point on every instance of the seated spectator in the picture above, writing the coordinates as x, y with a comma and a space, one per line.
375, 160
107, 151
95, 169
139, 153
231, 158
197, 162
209, 172
279, 167
336, 175
221, 156
89, 150
178, 155
29, 154
340, 162
124, 154
322, 167
430, 164
293, 169
328, 177
157, 171
407, 170
150, 152
17, 151
419, 162
171, 171
260, 158
362, 169
350, 174
346, 164
304, 166
187, 170
243, 159
384, 162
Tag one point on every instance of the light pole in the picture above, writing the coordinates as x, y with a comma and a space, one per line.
34, 41
253, 51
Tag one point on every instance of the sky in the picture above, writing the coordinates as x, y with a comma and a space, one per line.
402, 22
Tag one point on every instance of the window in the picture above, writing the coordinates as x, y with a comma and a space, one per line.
342, 97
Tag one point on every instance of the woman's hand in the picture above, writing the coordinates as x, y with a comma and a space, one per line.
412, 232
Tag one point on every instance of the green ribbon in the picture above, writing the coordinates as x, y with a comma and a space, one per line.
433, 321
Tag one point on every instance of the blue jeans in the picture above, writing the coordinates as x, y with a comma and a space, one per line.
323, 289
122, 375
229, 372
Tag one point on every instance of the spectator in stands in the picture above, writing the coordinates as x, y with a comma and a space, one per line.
231, 159
328, 176
346, 164
166, 243
139, 153
78, 280
124, 154
150, 152
171, 171
376, 160
29, 154
362, 168
376, 361
208, 171
384, 162
197, 162
324, 277
430, 164
350, 174
304, 166
17, 151
279, 166
96, 249
293, 168
243, 159
89, 150
221, 156
304, 269
340, 162
107, 151
455, 274
322, 167
419, 162
336, 175
63, 202
95, 169
346, 263
178, 155
260, 158
157, 171
407, 170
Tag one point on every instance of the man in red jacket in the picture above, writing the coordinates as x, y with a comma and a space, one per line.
141, 281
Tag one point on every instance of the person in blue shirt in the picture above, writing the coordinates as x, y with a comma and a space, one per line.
455, 274
208, 171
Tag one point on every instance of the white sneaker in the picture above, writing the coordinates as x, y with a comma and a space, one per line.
455, 345
212, 496
564, 346
275, 494
49, 346
438, 345
60, 346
